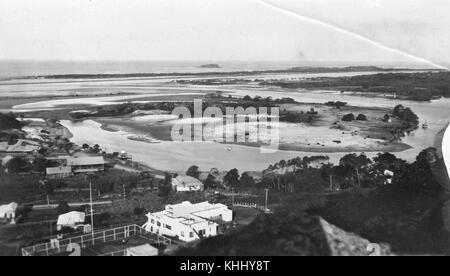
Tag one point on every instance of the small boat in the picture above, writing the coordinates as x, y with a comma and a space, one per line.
425, 125
229, 149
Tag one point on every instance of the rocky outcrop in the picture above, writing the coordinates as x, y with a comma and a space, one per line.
289, 234
342, 243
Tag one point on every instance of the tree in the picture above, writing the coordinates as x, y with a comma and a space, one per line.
96, 148
246, 180
210, 182
361, 117
356, 162
105, 185
17, 165
231, 179
39, 164
165, 187
348, 117
85, 146
137, 211
386, 160
9, 121
12, 138
406, 114
68, 146
47, 187
63, 207
193, 171
398, 110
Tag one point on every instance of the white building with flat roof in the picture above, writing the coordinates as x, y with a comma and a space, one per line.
187, 221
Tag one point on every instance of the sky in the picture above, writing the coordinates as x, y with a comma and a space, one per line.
244, 30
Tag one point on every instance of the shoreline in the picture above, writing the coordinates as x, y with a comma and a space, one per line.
304, 70
377, 146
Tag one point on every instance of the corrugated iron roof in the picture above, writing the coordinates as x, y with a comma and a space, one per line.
186, 181
59, 170
85, 161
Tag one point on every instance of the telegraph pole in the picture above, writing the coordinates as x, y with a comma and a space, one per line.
232, 196
92, 210
267, 195
331, 183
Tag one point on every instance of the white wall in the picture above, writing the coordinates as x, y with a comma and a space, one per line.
179, 229
224, 212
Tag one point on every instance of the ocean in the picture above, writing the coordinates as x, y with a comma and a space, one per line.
10, 69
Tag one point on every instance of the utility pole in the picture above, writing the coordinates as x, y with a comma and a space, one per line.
232, 196
267, 195
331, 183
92, 210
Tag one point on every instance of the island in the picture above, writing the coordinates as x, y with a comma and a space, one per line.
210, 65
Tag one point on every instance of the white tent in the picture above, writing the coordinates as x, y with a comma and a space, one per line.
70, 219
142, 250
8, 211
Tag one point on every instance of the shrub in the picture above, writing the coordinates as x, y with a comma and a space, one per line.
348, 117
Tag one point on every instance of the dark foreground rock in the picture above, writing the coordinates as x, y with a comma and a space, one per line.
286, 234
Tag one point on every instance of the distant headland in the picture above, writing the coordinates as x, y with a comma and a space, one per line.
210, 65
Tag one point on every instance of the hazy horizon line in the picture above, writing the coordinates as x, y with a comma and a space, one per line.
349, 62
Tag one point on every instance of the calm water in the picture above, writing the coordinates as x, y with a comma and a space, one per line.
179, 156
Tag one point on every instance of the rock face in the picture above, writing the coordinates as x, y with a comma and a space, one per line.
342, 243
290, 234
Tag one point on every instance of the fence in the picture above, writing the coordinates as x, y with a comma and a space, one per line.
251, 205
99, 237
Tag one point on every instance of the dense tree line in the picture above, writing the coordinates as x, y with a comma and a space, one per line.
416, 86
9, 121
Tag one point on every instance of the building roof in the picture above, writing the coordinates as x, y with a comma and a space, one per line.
85, 161
71, 218
8, 208
187, 212
143, 250
186, 181
58, 170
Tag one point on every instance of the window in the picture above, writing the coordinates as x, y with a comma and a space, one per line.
191, 234
182, 233
202, 233
168, 227
158, 223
